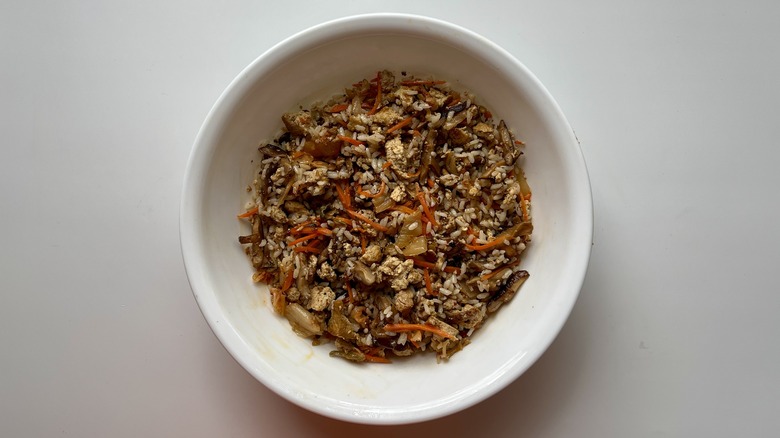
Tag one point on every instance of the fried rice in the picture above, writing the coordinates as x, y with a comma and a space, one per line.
391, 219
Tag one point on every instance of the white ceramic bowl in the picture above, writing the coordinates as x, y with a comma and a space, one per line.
320, 62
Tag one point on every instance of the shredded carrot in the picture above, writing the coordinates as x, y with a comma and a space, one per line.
311, 249
313, 230
323, 231
402, 209
298, 228
409, 175
416, 345
277, 301
491, 274
350, 296
348, 196
349, 140
343, 220
308, 229
519, 143
416, 133
303, 239
378, 99
451, 269
399, 125
399, 328
362, 192
411, 83
344, 196
431, 183
423, 264
386, 165
339, 108
375, 225
428, 284
523, 208
248, 213
376, 359
426, 209
382, 188
362, 244
287, 281
374, 351
495, 242
523, 201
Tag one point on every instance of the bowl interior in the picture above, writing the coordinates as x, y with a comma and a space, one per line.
315, 65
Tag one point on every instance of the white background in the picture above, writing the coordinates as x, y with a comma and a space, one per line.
676, 107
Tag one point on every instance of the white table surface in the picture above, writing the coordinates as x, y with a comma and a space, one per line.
676, 107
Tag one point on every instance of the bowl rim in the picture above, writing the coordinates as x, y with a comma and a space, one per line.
191, 203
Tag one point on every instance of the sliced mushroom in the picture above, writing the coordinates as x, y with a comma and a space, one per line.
459, 136
255, 252
425, 153
450, 163
272, 150
508, 291
496, 278
458, 107
467, 289
295, 207
252, 238
457, 119
507, 142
